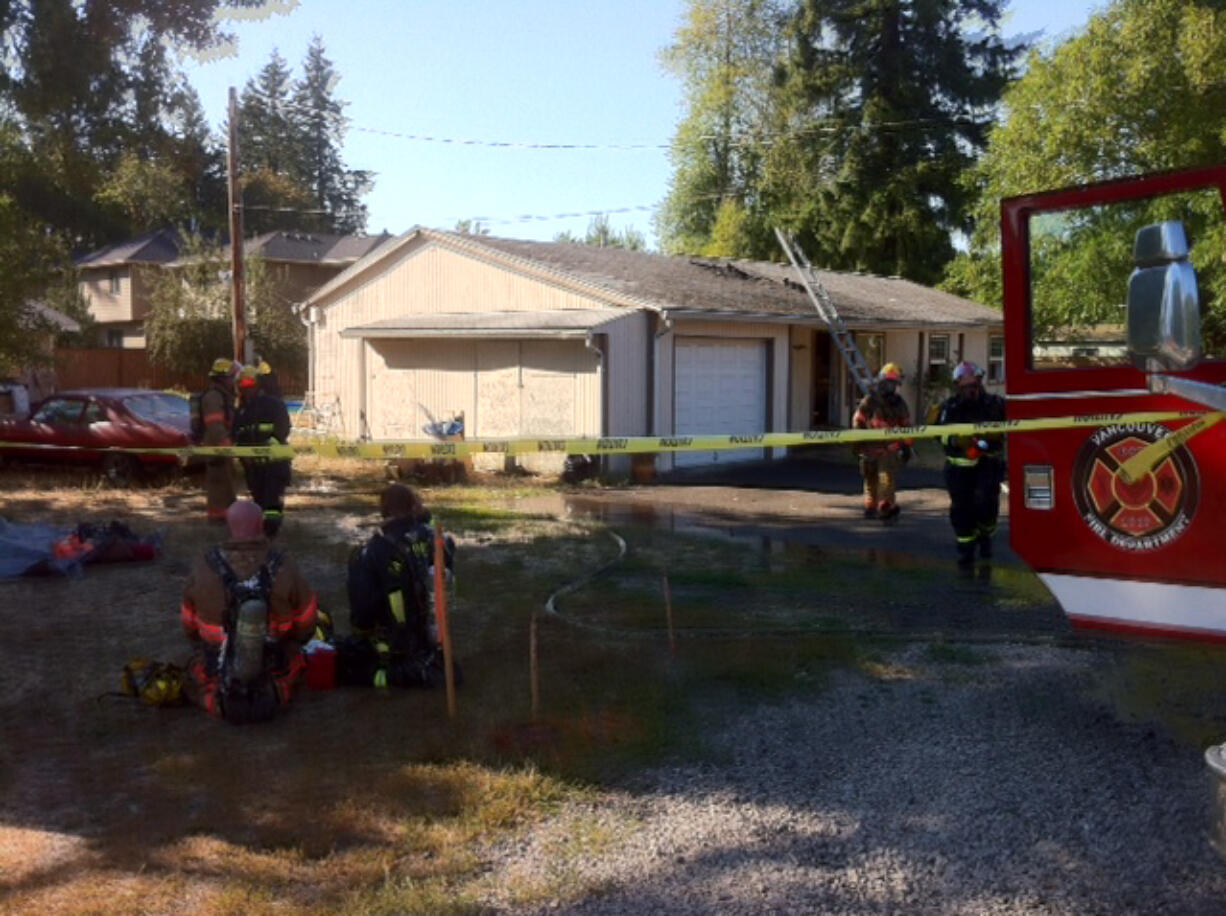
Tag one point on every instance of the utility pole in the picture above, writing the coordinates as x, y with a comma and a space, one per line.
237, 280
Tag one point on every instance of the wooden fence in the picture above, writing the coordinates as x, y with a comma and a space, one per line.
114, 367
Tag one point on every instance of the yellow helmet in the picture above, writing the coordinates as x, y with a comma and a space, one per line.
890, 372
263, 368
222, 366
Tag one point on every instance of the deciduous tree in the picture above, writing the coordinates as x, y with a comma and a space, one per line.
1142, 88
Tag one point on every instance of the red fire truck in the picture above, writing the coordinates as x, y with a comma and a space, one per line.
1124, 522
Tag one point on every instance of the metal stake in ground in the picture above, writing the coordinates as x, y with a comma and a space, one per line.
440, 615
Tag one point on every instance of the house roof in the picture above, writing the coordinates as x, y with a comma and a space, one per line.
163, 246
555, 323
156, 247
41, 313
718, 287
313, 247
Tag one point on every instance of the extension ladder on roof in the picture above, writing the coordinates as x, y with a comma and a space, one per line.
821, 300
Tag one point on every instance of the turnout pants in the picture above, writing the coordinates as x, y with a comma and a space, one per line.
880, 479
974, 504
267, 480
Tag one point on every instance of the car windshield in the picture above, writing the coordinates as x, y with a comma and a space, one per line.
156, 407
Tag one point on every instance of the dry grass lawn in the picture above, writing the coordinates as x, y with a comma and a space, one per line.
351, 802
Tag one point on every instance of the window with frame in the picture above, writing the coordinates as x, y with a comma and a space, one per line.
113, 283
938, 355
996, 357
114, 337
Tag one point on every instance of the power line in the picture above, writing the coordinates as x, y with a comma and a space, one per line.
762, 140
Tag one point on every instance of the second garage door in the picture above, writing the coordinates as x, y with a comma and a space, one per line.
720, 387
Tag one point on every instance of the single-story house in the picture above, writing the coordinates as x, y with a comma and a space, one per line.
550, 339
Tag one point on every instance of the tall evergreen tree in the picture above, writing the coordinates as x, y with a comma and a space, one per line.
335, 189
889, 101
290, 134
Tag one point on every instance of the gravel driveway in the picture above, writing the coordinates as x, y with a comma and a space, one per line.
945, 788
998, 780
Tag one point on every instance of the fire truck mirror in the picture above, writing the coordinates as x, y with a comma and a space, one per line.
1163, 311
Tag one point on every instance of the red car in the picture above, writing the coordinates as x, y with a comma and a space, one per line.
98, 418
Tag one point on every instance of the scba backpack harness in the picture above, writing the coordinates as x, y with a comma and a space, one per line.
248, 692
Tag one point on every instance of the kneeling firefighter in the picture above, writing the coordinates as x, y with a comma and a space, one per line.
247, 610
391, 600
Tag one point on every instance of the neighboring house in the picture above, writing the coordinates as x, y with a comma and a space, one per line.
43, 324
115, 290
118, 297
547, 339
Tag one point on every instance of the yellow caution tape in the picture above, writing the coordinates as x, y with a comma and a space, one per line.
1140, 464
633, 445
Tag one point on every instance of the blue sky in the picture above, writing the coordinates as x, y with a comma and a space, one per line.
528, 71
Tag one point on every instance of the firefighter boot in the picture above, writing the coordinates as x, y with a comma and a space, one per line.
888, 511
966, 553
985, 546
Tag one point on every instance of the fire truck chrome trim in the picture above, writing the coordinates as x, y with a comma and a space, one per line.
1130, 605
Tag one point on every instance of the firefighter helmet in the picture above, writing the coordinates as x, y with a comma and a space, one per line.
247, 377
222, 366
967, 373
263, 368
890, 372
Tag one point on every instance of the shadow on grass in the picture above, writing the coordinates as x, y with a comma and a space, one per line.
360, 800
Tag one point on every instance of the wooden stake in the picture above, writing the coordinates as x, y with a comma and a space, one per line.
668, 615
534, 670
440, 615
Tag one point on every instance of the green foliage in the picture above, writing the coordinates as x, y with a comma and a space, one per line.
724, 54
600, 232
190, 320
290, 134
847, 122
98, 139
887, 103
1142, 89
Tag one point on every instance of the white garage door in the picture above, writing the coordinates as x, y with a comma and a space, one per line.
720, 388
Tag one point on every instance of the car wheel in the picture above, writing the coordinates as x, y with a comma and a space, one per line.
120, 470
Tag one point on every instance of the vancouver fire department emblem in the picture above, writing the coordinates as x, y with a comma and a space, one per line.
1144, 515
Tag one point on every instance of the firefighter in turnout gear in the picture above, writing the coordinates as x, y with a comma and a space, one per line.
880, 462
391, 605
263, 419
247, 611
212, 415
974, 465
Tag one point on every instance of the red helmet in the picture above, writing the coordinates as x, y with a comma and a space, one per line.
967, 373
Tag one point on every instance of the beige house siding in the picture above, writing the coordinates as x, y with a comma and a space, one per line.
513, 383
103, 304
800, 384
